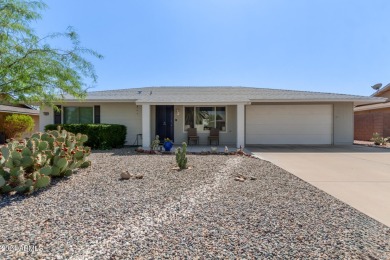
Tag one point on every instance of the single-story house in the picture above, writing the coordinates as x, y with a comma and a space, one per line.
373, 118
244, 116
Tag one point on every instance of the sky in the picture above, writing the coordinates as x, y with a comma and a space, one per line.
311, 45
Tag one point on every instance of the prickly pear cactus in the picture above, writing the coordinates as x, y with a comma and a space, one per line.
29, 164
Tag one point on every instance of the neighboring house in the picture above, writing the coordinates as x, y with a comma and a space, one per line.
244, 116
373, 118
7, 108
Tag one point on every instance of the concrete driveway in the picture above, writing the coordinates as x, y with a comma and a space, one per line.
356, 175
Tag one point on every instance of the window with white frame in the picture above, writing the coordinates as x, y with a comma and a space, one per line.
78, 115
205, 118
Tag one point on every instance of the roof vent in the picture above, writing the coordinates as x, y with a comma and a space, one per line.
150, 93
139, 91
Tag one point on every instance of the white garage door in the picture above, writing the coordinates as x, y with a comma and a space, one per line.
289, 124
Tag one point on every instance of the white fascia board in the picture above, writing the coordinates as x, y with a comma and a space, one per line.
193, 103
95, 100
355, 101
20, 112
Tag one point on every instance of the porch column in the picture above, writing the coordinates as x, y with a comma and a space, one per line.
240, 125
146, 126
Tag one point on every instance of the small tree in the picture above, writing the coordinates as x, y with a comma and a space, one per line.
15, 125
32, 69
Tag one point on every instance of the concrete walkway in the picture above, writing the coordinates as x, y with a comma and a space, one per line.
357, 175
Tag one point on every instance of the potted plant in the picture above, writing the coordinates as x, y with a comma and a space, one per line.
168, 144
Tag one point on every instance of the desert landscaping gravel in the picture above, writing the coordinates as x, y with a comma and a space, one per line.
201, 212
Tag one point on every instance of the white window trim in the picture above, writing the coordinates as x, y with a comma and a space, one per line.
205, 131
63, 113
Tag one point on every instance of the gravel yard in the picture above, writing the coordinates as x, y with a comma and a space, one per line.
201, 212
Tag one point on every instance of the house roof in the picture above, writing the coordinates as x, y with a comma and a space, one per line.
174, 95
372, 106
379, 92
376, 105
18, 110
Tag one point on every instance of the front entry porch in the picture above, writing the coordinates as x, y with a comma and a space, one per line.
172, 121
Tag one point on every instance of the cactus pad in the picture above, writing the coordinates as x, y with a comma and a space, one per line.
42, 182
16, 155
5, 152
55, 171
42, 146
79, 155
45, 170
2, 181
26, 152
27, 161
85, 164
61, 163
68, 173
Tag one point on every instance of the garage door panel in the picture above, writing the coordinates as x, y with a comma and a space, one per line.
289, 124
289, 109
288, 139
280, 129
302, 119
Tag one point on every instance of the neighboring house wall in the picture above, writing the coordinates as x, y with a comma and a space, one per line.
368, 122
128, 114
36, 123
372, 121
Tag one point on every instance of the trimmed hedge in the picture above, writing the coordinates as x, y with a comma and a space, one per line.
100, 136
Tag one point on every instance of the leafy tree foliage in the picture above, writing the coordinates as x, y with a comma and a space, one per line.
31, 69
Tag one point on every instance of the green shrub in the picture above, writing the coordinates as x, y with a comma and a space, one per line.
29, 164
101, 136
15, 125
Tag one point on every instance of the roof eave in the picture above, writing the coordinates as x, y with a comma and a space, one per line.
96, 100
193, 103
32, 113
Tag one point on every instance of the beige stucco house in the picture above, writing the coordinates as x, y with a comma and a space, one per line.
244, 116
